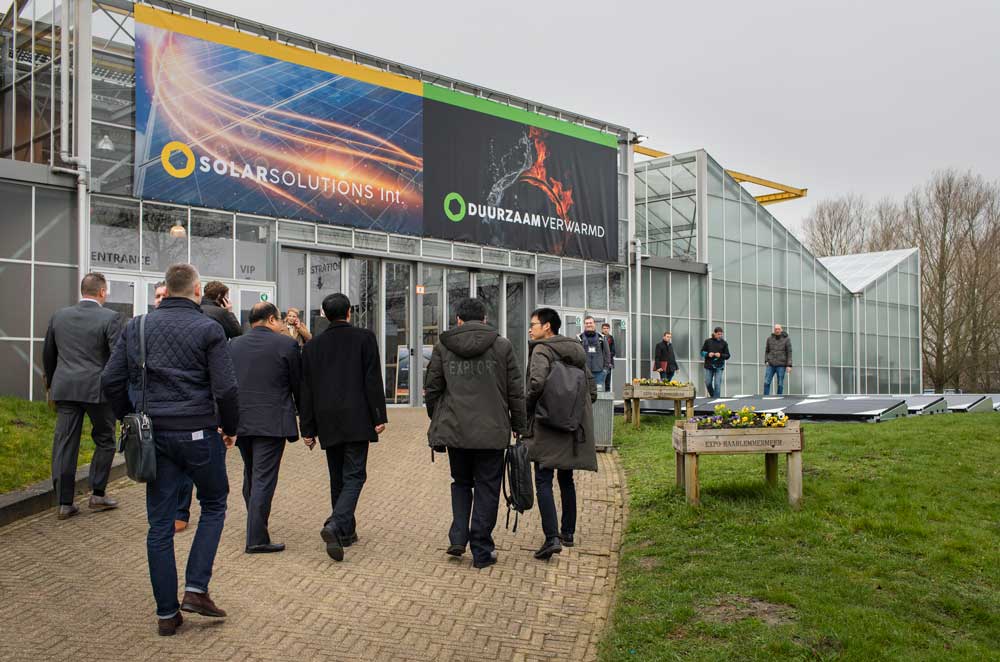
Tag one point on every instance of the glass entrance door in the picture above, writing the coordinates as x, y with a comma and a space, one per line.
397, 332
248, 296
123, 296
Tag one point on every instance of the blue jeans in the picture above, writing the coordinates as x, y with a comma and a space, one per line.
179, 456
184, 500
599, 378
769, 372
713, 381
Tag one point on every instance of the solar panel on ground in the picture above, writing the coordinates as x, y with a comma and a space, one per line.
966, 403
925, 404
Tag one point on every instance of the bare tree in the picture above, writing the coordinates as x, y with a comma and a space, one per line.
837, 226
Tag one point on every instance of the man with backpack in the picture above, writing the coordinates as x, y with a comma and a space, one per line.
560, 435
475, 397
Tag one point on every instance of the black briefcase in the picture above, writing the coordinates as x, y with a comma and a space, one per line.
136, 440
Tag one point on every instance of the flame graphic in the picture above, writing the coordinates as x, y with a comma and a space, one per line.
222, 126
536, 176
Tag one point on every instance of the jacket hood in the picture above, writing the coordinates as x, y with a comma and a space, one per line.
567, 349
783, 335
470, 339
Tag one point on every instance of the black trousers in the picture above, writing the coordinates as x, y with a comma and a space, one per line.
475, 497
348, 466
66, 447
547, 502
261, 460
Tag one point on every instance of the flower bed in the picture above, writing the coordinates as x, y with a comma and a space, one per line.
725, 418
651, 389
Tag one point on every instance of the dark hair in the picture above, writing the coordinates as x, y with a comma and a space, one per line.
718, 329
335, 307
668, 331
605, 324
180, 280
216, 291
591, 318
471, 310
159, 284
263, 311
548, 316
93, 283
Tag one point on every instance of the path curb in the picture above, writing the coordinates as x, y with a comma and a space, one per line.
41, 496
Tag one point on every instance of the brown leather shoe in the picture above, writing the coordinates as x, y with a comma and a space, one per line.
200, 603
167, 627
179, 525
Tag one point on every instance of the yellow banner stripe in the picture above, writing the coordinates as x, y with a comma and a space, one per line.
268, 48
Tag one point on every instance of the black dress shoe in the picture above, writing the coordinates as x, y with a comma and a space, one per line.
550, 547
479, 565
455, 550
269, 548
567, 539
167, 627
334, 549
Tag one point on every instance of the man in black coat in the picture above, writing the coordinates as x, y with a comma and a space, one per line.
216, 305
269, 372
343, 403
475, 398
715, 351
606, 332
664, 360
78, 343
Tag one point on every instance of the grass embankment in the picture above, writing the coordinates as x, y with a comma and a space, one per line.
26, 430
894, 555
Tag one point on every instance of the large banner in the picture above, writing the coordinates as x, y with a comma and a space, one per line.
498, 182
230, 121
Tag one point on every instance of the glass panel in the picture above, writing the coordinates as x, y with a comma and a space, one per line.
212, 243
573, 292
618, 289
14, 368
55, 225
547, 282
15, 240
112, 148
254, 248
397, 339
292, 283
680, 303
749, 259
333, 235
517, 318
488, 290
432, 278
55, 287
164, 237
249, 297
362, 290
324, 280
731, 268
718, 301
597, 287
698, 284
114, 233
458, 289
659, 294
15, 282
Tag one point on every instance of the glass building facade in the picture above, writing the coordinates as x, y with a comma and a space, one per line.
853, 320
709, 253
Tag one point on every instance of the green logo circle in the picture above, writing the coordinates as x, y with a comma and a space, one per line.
263, 296
454, 217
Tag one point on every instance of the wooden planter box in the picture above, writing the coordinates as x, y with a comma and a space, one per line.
635, 393
690, 442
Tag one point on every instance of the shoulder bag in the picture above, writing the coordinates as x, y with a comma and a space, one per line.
136, 440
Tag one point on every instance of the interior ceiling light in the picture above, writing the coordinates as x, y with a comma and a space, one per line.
178, 231
106, 144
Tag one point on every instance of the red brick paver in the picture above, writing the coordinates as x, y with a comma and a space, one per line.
79, 589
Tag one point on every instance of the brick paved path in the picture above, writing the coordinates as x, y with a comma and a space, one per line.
79, 589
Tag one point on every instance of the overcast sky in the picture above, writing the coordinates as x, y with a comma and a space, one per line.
837, 97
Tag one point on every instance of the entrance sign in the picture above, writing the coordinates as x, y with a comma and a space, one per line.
230, 121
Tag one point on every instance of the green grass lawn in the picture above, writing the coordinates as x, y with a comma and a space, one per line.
26, 443
895, 554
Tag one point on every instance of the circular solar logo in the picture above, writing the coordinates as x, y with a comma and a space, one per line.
168, 151
454, 216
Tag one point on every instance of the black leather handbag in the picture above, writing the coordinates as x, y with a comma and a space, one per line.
136, 440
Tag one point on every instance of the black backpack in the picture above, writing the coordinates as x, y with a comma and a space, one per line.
517, 488
561, 404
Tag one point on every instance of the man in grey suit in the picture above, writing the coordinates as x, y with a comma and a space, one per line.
78, 343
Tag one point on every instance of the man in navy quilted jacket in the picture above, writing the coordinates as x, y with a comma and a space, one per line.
190, 394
